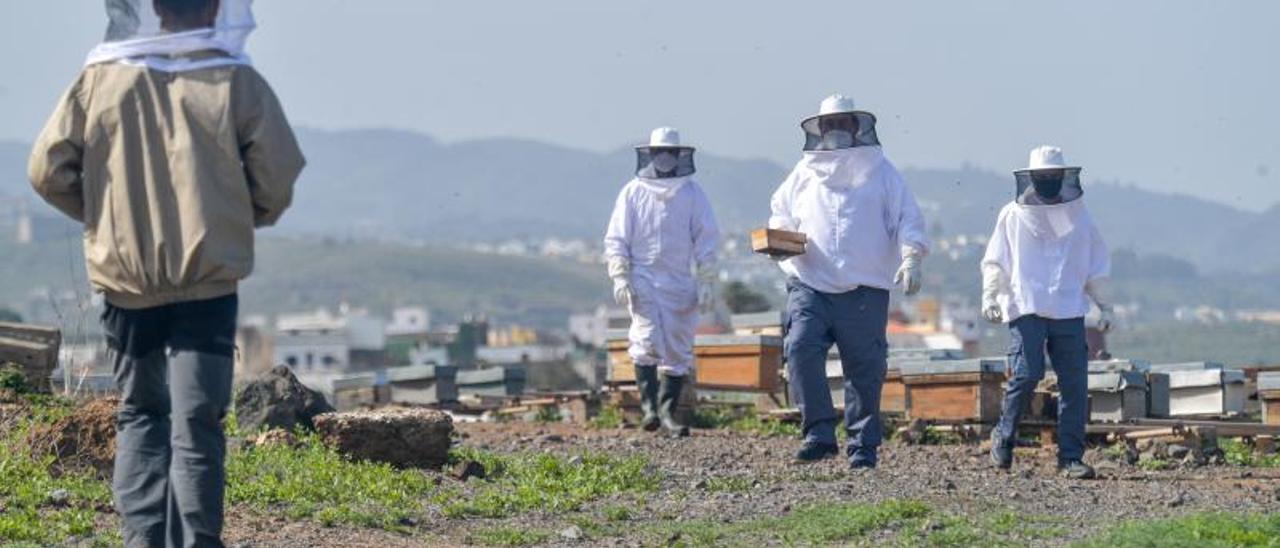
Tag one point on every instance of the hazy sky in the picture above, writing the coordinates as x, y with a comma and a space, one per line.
1178, 96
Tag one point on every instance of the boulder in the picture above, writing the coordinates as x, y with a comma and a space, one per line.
409, 438
276, 399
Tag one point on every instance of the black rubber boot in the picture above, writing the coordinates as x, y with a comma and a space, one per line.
647, 382
668, 400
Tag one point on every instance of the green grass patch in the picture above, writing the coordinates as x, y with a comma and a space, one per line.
742, 421
29, 513
507, 536
729, 484
894, 522
1200, 531
544, 482
314, 481
1239, 453
609, 418
616, 513
1155, 464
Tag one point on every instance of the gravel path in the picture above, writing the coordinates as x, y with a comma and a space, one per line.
954, 478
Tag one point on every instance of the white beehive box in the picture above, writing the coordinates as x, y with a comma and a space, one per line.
1206, 392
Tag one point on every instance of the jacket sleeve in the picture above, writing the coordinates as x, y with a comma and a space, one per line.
781, 216
904, 216
56, 166
996, 261
268, 148
706, 233
617, 237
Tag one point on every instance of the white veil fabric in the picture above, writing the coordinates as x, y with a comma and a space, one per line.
134, 36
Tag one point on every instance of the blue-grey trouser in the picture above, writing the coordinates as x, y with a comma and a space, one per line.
173, 365
855, 322
1064, 340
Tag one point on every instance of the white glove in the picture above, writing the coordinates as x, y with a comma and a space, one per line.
708, 273
620, 272
909, 275
622, 293
1099, 291
991, 277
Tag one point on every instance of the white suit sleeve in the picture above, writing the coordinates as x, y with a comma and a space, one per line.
998, 254
780, 214
1099, 257
617, 237
903, 215
706, 232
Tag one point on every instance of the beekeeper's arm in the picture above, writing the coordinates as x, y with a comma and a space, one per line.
1098, 287
995, 275
56, 166
905, 220
617, 250
706, 241
268, 148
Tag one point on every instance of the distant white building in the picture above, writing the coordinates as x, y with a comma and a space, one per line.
320, 342
409, 320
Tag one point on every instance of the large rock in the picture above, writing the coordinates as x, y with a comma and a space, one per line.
402, 437
276, 399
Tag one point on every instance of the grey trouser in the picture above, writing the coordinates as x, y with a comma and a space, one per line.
173, 365
855, 322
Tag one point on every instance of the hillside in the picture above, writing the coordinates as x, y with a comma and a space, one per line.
403, 185
295, 275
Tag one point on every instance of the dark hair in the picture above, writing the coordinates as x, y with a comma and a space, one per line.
185, 8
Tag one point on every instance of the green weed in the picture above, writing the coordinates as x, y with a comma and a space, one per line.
314, 481
1200, 530
544, 482
1238, 453
507, 536
609, 418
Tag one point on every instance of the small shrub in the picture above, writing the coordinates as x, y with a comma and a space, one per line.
617, 513
1239, 453
609, 418
548, 414
12, 378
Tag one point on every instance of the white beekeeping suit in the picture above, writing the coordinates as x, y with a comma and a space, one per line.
863, 224
137, 34
661, 228
1046, 255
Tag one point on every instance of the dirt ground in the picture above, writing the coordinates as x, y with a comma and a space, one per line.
951, 478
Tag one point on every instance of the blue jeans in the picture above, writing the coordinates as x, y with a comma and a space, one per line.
855, 322
1064, 340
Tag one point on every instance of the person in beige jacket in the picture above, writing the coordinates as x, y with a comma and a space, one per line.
171, 149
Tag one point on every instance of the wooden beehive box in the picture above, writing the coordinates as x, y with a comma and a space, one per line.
783, 243
1269, 395
738, 362
758, 323
621, 368
954, 390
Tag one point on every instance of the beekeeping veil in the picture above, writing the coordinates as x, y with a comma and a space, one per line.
1047, 180
1048, 195
136, 34
839, 125
664, 157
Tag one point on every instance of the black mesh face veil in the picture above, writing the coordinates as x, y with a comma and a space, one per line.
1048, 186
841, 130
664, 162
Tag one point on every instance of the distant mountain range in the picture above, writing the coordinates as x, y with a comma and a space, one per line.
399, 184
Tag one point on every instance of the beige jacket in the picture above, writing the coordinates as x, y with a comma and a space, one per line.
170, 174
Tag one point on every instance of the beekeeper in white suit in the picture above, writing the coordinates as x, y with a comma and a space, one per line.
1045, 261
866, 235
662, 225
